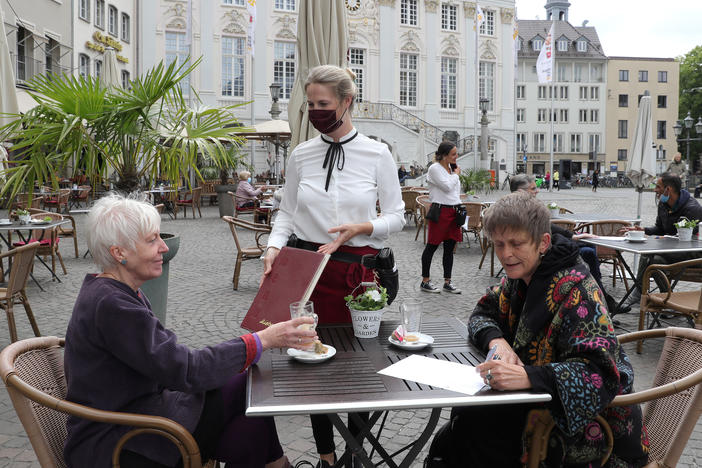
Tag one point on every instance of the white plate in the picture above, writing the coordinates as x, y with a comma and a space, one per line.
310, 357
424, 341
39, 221
636, 240
5, 221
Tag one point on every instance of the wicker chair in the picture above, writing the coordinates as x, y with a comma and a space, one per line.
562, 210
24, 201
246, 253
685, 303
423, 204
32, 371
566, 224
259, 214
48, 240
674, 402
474, 211
61, 200
22, 260
191, 199
409, 197
63, 230
605, 254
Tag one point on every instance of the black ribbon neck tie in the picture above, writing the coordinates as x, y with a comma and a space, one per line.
335, 156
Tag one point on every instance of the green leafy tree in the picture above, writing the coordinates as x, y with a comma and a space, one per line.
136, 134
691, 98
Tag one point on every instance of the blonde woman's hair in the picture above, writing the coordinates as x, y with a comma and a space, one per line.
340, 81
243, 175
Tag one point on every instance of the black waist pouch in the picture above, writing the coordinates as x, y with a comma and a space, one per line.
461, 215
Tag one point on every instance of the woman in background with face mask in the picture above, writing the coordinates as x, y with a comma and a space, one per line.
245, 191
333, 182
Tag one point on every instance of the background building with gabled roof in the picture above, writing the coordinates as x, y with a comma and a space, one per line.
578, 92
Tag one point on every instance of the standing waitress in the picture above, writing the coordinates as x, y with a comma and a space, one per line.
445, 190
332, 185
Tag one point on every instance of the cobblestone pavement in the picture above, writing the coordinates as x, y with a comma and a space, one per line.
204, 309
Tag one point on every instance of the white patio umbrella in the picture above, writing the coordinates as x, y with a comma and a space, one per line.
321, 40
8, 94
421, 149
110, 72
641, 165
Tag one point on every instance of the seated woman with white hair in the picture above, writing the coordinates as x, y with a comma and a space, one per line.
119, 357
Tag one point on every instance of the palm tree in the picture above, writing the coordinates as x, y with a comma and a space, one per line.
137, 133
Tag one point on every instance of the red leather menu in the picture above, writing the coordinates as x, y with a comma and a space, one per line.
294, 275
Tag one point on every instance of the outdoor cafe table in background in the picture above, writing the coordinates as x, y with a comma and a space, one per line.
349, 382
164, 195
17, 227
652, 245
584, 218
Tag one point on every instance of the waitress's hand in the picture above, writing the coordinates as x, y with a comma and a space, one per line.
271, 254
504, 376
287, 335
457, 171
346, 232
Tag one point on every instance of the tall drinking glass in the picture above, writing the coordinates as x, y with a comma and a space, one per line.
411, 314
304, 309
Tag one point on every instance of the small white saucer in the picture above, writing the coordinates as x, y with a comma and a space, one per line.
636, 240
5, 221
423, 342
310, 357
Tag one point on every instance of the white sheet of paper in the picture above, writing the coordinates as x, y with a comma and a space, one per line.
612, 238
437, 373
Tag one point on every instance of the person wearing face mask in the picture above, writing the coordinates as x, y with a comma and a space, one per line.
245, 192
332, 185
674, 203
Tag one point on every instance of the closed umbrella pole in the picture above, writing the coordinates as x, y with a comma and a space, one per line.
110, 72
641, 165
321, 40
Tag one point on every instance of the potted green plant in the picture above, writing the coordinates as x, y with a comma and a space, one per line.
146, 132
367, 309
130, 135
23, 216
553, 207
685, 227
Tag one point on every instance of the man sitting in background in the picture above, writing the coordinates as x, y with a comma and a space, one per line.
587, 253
674, 203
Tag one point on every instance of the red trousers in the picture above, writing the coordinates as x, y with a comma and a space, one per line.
337, 281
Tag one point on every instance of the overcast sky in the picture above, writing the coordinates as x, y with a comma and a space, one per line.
633, 28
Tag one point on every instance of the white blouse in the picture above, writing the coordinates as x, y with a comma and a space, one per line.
444, 188
369, 175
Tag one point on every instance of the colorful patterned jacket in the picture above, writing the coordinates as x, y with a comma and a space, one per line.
559, 327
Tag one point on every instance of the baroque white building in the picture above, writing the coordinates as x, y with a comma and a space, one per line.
414, 61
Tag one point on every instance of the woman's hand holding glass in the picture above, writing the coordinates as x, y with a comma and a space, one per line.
288, 335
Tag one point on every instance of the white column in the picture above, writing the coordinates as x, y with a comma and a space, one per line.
387, 75
432, 67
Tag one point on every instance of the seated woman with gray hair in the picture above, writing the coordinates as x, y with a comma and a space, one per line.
119, 357
552, 334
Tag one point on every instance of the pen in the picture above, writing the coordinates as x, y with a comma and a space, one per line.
491, 354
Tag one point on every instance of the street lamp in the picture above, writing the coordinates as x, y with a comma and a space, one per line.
687, 125
275, 95
483, 128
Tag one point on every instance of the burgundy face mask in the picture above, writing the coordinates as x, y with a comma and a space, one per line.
324, 120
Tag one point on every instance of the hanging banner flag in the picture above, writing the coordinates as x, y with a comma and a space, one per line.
515, 44
251, 10
479, 17
544, 64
